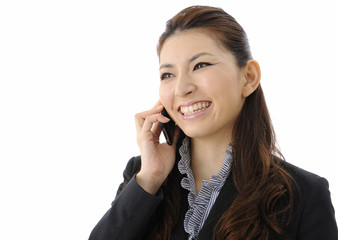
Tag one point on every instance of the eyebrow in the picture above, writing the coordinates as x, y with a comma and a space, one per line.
193, 58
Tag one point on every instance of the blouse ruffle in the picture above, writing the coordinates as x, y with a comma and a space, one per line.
200, 205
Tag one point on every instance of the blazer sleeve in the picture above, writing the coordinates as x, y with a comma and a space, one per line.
130, 211
318, 215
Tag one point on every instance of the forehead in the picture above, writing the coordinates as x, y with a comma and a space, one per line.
185, 44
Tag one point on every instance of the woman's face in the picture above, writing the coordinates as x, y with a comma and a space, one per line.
201, 84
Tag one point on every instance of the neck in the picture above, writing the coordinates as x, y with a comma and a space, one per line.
207, 156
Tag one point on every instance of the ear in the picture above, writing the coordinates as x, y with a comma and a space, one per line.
252, 77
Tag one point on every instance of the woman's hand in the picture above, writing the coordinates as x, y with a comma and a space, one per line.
157, 158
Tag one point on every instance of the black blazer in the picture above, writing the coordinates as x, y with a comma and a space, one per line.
131, 210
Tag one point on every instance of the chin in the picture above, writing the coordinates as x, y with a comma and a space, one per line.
194, 133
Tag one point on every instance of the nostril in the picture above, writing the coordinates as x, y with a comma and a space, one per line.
182, 93
184, 86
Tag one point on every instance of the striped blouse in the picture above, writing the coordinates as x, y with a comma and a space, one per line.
201, 204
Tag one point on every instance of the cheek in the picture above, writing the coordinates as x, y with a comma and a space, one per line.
166, 95
217, 84
223, 88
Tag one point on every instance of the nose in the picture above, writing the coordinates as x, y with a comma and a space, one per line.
184, 85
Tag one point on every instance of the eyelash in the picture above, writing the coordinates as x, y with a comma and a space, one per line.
196, 67
166, 75
201, 65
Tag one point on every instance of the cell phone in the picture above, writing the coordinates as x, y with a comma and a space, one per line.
168, 128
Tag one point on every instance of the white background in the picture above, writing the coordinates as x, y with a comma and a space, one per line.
74, 73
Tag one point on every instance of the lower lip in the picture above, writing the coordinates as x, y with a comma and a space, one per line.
196, 115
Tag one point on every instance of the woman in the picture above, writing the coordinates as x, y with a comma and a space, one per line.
222, 177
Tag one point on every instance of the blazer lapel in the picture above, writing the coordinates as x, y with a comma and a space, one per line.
224, 200
178, 232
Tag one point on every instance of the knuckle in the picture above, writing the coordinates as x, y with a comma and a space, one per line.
148, 118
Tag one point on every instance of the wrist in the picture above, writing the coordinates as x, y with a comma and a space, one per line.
148, 183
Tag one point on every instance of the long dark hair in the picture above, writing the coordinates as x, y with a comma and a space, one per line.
256, 172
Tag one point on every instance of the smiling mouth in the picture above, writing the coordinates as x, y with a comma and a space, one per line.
195, 108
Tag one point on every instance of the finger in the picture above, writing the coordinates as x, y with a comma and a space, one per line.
158, 107
140, 117
158, 103
154, 110
150, 120
157, 129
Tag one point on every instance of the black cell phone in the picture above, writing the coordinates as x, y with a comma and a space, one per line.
168, 128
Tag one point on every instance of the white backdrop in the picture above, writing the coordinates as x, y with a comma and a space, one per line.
74, 73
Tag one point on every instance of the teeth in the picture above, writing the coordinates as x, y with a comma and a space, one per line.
194, 108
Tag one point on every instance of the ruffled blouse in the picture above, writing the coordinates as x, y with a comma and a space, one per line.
201, 204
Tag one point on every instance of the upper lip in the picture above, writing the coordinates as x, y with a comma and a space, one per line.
187, 104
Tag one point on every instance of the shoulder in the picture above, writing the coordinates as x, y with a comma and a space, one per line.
315, 214
309, 186
305, 180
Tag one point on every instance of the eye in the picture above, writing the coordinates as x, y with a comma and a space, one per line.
201, 65
166, 75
